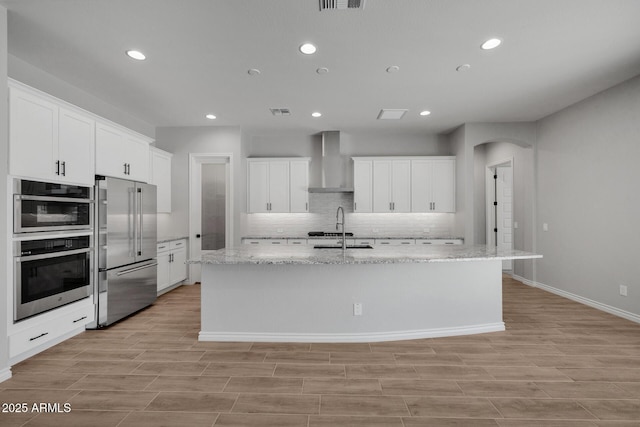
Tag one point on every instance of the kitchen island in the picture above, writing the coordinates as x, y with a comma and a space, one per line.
302, 294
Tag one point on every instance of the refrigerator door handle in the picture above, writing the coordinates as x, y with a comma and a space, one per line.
131, 220
132, 270
140, 216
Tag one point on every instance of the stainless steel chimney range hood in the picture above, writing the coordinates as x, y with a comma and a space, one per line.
333, 166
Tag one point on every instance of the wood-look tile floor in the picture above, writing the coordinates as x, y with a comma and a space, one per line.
559, 363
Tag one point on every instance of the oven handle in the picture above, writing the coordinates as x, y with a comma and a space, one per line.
52, 255
52, 199
132, 270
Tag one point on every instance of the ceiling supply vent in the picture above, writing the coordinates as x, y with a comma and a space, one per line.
387, 114
341, 4
280, 111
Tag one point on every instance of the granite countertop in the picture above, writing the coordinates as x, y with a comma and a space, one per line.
165, 239
353, 237
247, 254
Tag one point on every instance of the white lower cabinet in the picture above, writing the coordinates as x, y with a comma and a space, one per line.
172, 267
35, 333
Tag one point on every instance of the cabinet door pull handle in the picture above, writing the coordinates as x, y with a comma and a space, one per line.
58, 167
64, 168
125, 168
306, 206
39, 336
78, 320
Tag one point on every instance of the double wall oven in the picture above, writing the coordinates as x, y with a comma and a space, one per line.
53, 245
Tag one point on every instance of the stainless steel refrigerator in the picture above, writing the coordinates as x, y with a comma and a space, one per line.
126, 245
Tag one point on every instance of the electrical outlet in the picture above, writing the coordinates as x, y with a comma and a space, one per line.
425, 230
545, 227
280, 230
375, 230
357, 309
515, 225
623, 290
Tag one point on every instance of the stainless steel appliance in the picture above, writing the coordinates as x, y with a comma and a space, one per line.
126, 246
51, 272
44, 206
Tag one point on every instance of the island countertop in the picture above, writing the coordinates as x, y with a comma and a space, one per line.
380, 255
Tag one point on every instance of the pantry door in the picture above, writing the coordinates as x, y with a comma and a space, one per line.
210, 206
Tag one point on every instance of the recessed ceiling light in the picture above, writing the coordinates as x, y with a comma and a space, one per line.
322, 70
253, 72
136, 54
210, 116
316, 114
308, 49
491, 44
393, 69
463, 67
425, 113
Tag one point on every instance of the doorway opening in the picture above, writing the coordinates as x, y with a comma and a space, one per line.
499, 191
210, 206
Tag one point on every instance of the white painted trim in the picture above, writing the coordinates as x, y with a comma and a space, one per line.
364, 337
5, 374
582, 300
195, 160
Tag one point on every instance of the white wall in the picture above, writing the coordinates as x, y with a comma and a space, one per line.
463, 141
588, 179
181, 141
40, 79
4, 200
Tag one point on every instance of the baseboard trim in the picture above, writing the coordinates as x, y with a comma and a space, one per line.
586, 301
5, 374
362, 337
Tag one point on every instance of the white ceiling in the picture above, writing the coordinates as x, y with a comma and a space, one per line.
555, 52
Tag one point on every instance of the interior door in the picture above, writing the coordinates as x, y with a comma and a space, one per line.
210, 207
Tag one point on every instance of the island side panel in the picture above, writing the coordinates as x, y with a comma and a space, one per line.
314, 303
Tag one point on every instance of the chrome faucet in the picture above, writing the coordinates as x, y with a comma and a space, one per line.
338, 223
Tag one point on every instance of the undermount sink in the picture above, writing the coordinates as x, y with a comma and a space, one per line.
340, 247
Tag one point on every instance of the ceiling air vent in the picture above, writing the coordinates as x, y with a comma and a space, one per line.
341, 4
280, 111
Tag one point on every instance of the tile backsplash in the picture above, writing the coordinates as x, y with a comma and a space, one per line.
322, 217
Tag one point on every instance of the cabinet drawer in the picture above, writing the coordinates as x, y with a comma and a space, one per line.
276, 242
438, 242
46, 331
178, 244
395, 242
297, 242
370, 242
253, 241
163, 247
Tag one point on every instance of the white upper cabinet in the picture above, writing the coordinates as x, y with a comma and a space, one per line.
404, 184
391, 186
362, 186
121, 154
299, 185
278, 185
48, 140
433, 185
160, 176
